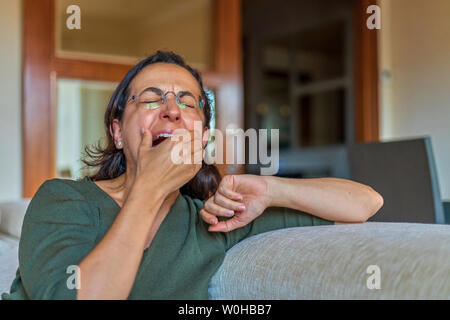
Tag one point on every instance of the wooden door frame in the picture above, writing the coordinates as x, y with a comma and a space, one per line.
41, 68
366, 85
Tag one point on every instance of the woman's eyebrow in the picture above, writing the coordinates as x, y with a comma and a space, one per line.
160, 92
152, 89
185, 93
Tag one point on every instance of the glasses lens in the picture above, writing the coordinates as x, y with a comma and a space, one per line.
152, 100
187, 101
148, 97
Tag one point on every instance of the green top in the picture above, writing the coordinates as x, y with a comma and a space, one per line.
66, 219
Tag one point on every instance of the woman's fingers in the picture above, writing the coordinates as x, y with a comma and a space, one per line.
222, 226
208, 217
229, 193
146, 142
226, 225
220, 205
227, 203
189, 150
217, 210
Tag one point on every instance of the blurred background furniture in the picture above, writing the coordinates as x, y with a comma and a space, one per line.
447, 211
404, 173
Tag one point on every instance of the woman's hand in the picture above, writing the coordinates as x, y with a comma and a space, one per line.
242, 197
332, 199
156, 167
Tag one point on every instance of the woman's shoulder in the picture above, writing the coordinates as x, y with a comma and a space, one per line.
60, 197
64, 187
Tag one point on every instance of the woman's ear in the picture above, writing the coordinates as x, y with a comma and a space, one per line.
116, 133
205, 136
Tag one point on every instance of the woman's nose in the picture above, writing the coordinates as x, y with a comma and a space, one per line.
170, 109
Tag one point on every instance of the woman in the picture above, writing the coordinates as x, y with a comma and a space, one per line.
144, 227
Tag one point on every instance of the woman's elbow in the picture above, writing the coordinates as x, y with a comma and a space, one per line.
374, 203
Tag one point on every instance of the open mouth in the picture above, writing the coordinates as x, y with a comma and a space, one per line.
160, 138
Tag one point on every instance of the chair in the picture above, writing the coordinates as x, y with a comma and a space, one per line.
447, 212
404, 173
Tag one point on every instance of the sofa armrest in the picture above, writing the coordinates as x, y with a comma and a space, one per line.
9, 261
12, 214
339, 262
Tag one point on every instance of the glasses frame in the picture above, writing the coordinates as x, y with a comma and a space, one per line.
156, 105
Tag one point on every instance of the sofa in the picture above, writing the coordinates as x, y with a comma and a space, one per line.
11, 218
372, 260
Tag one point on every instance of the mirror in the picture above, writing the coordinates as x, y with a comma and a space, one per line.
127, 31
81, 106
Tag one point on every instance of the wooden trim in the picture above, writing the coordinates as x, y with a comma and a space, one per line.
105, 71
228, 37
36, 109
366, 76
53, 122
90, 70
228, 63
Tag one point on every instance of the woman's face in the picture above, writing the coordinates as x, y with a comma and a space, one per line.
165, 117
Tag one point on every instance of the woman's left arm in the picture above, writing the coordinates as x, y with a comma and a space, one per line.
334, 199
245, 197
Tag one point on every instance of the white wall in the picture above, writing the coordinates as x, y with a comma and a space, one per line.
415, 100
10, 101
68, 126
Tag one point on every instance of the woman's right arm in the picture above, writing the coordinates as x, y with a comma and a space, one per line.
109, 270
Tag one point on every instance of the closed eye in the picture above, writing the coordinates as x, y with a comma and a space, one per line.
151, 101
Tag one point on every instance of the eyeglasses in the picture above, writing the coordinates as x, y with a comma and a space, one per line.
153, 98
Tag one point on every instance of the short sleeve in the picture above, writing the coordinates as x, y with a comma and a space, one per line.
272, 219
59, 230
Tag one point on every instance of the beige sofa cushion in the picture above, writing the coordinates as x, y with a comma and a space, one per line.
331, 262
12, 214
9, 261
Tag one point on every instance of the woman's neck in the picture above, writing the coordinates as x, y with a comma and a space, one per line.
119, 188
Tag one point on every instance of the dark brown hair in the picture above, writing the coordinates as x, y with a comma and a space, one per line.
111, 161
